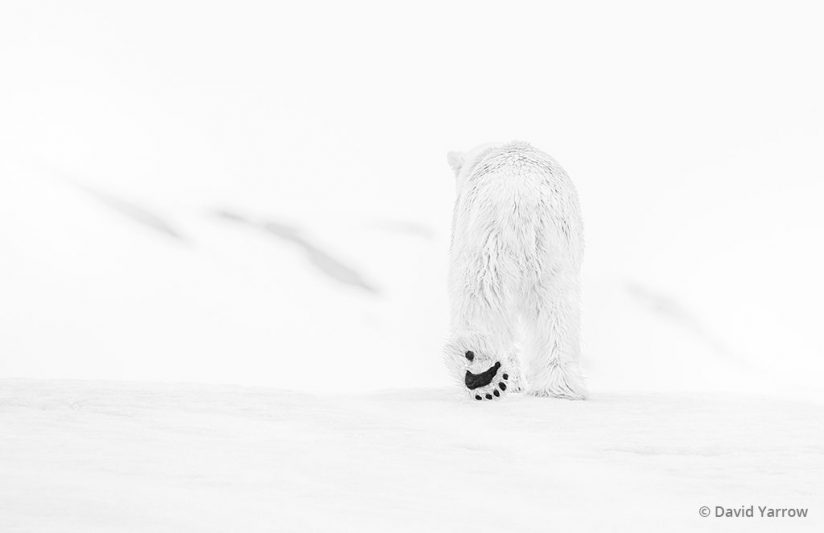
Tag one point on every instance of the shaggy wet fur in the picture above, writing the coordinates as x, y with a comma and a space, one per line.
515, 260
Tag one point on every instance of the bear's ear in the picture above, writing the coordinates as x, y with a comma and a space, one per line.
456, 160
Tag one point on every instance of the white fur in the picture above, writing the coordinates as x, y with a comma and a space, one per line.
515, 260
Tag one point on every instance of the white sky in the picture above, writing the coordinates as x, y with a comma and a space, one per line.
693, 132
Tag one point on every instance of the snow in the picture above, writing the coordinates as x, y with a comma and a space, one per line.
255, 201
98, 456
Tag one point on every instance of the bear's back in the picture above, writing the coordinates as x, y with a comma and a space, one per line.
519, 201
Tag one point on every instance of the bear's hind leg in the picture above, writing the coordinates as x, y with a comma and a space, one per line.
552, 347
481, 351
484, 364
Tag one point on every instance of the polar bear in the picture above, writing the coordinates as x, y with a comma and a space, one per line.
515, 261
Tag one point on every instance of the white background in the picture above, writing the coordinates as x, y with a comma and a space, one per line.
693, 132
256, 193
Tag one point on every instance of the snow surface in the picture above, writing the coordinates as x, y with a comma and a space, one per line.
96, 456
256, 194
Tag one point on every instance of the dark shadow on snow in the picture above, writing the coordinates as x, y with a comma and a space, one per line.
320, 259
668, 307
135, 212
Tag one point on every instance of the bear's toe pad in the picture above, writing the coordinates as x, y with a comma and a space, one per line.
488, 385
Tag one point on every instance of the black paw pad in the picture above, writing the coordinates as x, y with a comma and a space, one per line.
496, 393
502, 386
506, 376
477, 397
474, 381
488, 396
470, 355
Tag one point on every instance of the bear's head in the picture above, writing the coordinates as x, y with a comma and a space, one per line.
462, 163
